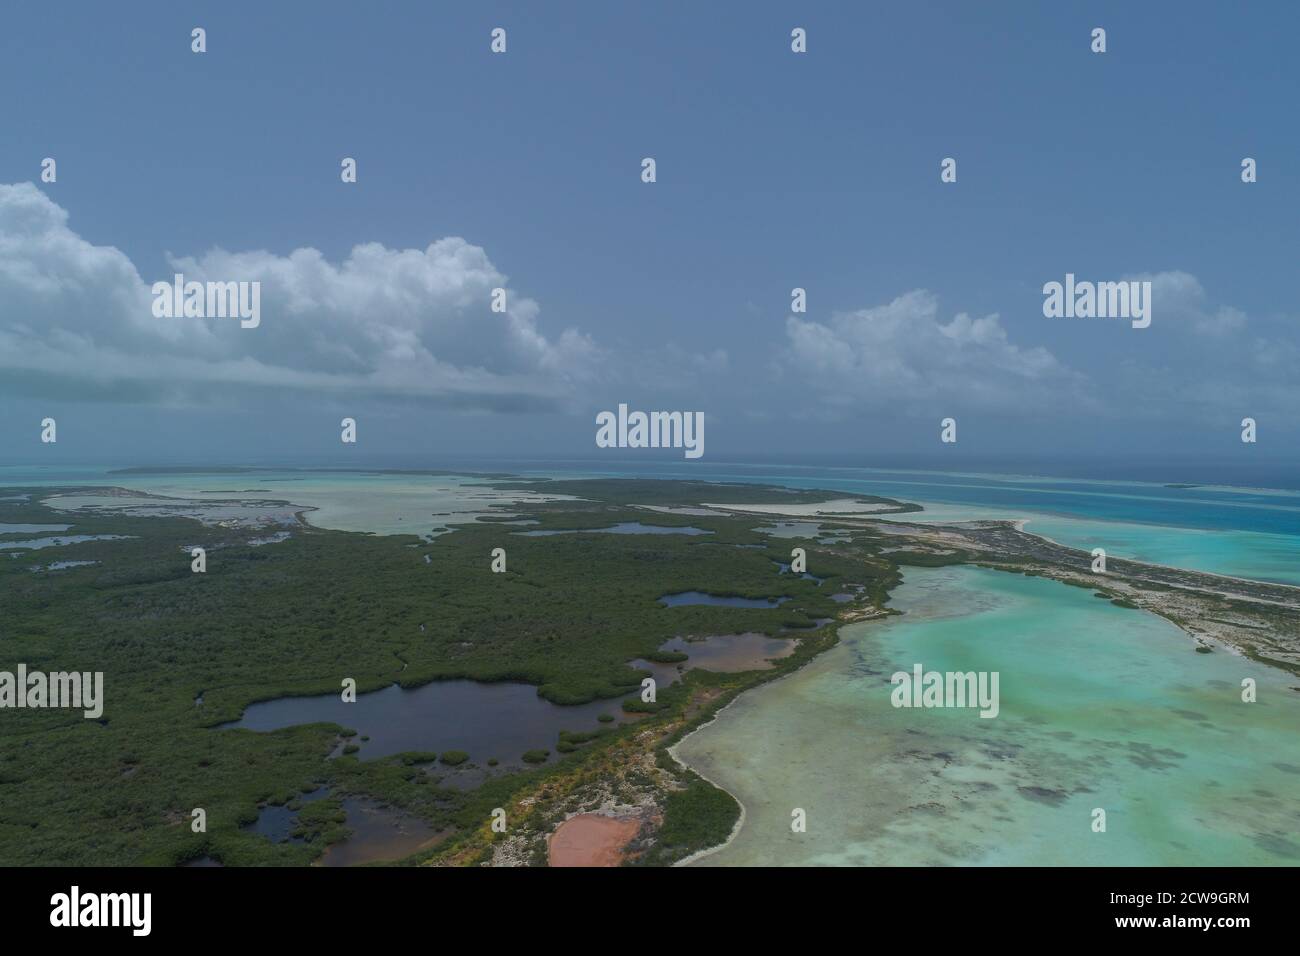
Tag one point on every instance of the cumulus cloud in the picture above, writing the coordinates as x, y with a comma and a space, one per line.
903, 351
1214, 362
1200, 361
1182, 302
411, 323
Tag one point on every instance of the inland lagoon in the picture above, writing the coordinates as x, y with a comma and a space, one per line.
1102, 707
376, 502
486, 720
623, 527
724, 653
687, 598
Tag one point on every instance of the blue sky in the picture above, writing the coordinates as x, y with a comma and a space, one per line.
775, 170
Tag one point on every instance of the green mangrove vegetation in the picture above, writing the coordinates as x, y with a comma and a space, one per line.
182, 653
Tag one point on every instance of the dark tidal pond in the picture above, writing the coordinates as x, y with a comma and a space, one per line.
501, 720
278, 823
785, 569
379, 833
626, 527
685, 598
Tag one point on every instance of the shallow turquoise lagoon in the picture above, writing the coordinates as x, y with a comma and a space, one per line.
416, 504
1101, 707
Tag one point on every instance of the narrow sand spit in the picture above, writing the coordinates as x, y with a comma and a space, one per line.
590, 839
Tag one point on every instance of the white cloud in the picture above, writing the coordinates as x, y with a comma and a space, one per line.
1218, 365
410, 323
1178, 298
414, 324
902, 351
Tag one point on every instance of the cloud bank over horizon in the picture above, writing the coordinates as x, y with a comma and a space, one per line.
402, 326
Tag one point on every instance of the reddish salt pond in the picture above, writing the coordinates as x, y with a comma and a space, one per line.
590, 839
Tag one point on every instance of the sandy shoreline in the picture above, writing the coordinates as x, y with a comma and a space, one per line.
740, 820
672, 751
